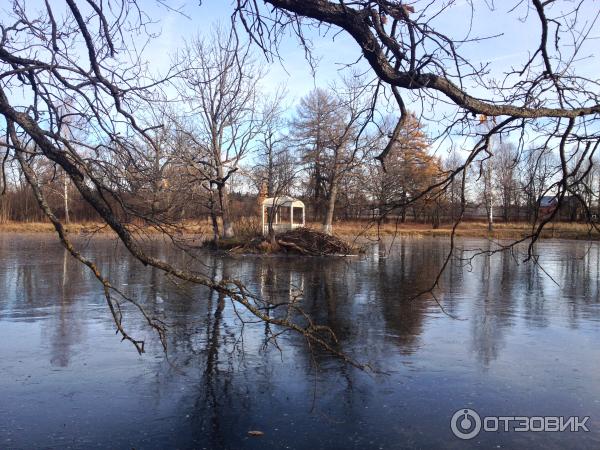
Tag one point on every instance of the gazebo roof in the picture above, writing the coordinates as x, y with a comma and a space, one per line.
283, 200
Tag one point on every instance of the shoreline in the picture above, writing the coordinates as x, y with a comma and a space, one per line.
346, 230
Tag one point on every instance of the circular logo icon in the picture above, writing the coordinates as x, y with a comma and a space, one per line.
465, 424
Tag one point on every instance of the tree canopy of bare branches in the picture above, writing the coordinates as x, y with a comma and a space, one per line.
77, 98
414, 59
219, 83
83, 54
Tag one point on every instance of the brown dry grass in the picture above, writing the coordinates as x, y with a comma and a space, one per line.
249, 227
560, 230
195, 227
46, 227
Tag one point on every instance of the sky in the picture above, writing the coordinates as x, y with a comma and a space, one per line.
518, 34
512, 22
293, 72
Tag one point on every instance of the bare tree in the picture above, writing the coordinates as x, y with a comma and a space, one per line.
275, 169
329, 129
273, 157
455, 189
116, 150
538, 169
219, 82
589, 191
413, 57
506, 183
486, 174
110, 87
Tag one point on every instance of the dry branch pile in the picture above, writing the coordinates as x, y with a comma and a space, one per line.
311, 242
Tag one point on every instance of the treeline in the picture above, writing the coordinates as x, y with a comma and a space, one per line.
223, 140
513, 184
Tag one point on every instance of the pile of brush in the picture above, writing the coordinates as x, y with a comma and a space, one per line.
306, 241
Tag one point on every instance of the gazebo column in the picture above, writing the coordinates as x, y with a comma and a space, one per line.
303, 216
292, 216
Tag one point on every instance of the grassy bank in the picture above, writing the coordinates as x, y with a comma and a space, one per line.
560, 230
46, 227
95, 227
246, 228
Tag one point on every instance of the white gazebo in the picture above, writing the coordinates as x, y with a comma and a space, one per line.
289, 213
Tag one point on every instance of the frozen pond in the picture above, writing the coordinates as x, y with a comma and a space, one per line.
524, 344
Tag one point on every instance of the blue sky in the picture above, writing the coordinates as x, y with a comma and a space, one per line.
518, 31
519, 34
514, 24
294, 71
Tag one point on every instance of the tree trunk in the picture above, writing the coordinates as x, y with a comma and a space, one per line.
66, 198
225, 212
271, 212
213, 217
328, 219
488, 196
435, 220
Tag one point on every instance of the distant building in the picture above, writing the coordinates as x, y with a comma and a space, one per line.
286, 213
547, 205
